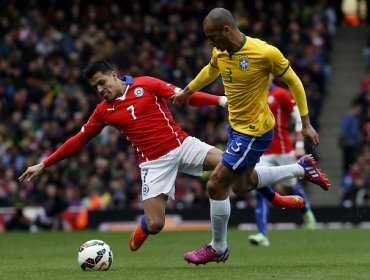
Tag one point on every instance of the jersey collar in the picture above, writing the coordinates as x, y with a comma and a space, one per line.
242, 45
127, 79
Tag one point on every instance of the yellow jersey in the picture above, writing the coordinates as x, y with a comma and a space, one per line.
245, 75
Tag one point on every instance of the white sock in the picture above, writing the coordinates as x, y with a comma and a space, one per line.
220, 214
268, 175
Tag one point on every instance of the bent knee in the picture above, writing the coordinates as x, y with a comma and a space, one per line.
241, 189
215, 189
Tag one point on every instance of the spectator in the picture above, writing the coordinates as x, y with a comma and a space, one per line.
53, 205
351, 135
43, 48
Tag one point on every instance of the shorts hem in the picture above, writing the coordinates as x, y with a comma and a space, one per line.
227, 165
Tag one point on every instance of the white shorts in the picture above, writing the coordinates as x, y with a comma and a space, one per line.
158, 176
277, 160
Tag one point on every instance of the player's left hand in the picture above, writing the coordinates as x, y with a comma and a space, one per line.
311, 135
32, 172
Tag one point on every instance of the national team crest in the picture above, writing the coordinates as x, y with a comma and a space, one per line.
243, 63
139, 91
145, 189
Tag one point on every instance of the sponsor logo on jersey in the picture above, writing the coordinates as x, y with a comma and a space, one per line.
243, 63
111, 109
145, 189
139, 91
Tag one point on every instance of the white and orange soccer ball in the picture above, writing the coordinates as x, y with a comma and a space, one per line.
95, 255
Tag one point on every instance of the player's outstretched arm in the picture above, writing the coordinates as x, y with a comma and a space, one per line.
32, 172
296, 88
207, 75
69, 148
204, 99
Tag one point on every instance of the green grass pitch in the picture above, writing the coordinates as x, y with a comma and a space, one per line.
293, 254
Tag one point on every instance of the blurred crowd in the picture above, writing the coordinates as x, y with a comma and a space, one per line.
355, 143
44, 100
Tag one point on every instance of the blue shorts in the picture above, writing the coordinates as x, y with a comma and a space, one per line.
244, 151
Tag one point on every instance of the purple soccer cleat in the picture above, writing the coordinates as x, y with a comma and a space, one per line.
312, 173
205, 255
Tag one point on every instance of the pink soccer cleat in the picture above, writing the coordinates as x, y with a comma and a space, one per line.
205, 255
312, 173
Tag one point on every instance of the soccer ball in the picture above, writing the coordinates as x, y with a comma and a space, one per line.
95, 255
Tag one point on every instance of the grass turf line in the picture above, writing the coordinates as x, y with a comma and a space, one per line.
293, 254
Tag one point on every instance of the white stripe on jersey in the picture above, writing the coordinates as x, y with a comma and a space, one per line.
123, 97
168, 121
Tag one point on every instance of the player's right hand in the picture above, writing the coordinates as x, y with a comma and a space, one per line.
32, 172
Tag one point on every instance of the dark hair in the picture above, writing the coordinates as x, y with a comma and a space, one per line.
219, 18
97, 66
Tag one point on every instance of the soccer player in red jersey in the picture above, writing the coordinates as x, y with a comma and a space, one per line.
137, 108
280, 152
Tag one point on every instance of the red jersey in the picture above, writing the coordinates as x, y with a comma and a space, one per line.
141, 115
281, 104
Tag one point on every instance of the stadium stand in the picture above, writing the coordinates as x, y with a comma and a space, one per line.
44, 100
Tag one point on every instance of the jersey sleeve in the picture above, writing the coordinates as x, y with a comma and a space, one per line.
74, 144
280, 68
166, 90
207, 75
279, 64
161, 88
296, 88
203, 99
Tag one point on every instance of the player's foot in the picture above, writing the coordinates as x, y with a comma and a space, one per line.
205, 255
312, 173
259, 240
309, 221
287, 201
137, 238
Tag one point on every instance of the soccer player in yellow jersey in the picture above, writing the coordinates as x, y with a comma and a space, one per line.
245, 64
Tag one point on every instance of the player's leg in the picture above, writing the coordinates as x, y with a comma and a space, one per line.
195, 157
241, 185
249, 180
261, 213
219, 202
236, 160
158, 184
293, 187
152, 222
305, 168
309, 220
262, 208
216, 250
